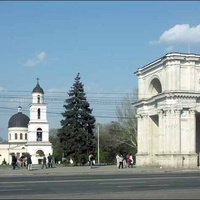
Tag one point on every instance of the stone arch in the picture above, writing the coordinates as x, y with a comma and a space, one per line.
155, 86
40, 153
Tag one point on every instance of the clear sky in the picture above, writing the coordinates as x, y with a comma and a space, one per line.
104, 41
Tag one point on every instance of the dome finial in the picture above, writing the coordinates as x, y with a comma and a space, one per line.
38, 81
38, 88
19, 109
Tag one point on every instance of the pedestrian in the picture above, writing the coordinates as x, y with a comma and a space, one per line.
14, 161
117, 159
121, 158
127, 160
21, 161
131, 161
25, 161
44, 162
29, 163
90, 160
124, 160
50, 160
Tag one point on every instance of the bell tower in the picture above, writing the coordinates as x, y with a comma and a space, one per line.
38, 128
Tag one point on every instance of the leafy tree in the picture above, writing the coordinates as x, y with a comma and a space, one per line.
108, 145
54, 139
76, 135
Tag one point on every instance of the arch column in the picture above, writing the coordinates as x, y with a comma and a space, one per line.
161, 139
143, 134
176, 131
192, 129
143, 140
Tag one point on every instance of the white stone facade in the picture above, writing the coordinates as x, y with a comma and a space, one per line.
32, 139
168, 112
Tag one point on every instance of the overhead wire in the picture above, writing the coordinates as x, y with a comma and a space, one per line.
104, 100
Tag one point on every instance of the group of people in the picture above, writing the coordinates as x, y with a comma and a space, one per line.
22, 161
124, 161
27, 162
47, 162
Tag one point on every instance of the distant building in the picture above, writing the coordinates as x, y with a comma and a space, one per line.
168, 111
28, 135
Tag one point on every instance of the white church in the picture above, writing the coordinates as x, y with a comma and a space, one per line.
168, 112
28, 135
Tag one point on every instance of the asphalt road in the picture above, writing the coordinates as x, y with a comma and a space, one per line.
173, 185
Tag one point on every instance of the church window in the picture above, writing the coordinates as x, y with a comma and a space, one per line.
39, 134
21, 136
15, 136
38, 99
38, 113
25, 136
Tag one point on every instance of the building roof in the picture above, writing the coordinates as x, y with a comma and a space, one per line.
37, 88
19, 120
167, 57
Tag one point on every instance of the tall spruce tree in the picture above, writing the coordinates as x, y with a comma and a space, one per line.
76, 135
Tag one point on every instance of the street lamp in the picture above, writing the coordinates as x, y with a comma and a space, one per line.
98, 141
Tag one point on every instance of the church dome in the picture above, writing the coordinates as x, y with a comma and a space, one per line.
19, 120
37, 88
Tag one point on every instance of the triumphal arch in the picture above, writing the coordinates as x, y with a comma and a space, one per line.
168, 112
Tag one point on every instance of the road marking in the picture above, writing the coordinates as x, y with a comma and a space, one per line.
104, 180
12, 186
160, 185
127, 182
8, 190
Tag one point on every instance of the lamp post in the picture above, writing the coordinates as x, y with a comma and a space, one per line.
98, 141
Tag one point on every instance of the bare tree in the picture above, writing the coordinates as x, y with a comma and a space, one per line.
126, 114
3, 141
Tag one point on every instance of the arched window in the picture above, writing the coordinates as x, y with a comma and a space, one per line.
21, 136
25, 136
40, 153
15, 136
38, 99
39, 134
38, 113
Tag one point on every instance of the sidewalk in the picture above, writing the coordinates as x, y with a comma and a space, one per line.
75, 170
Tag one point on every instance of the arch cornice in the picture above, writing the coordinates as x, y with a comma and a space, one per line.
167, 95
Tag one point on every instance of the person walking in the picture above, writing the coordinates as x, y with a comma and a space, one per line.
124, 159
117, 159
21, 160
121, 159
90, 160
131, 161
128, 160
44, 162
50, 160
14, 161
29, 163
